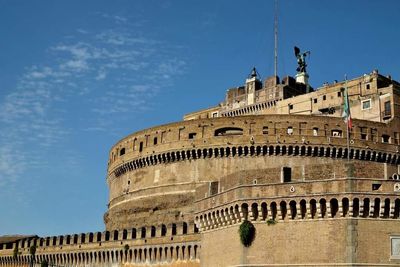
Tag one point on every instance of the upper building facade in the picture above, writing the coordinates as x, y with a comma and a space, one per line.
273, 153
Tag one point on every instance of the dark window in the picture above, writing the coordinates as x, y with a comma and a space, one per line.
184, 228
141, 147
290, 107
192, 135
385, 138
122, 151
265, 130
155, 141
173, 229
153, 231
287, 174
214, 188
339, 94
324, 97
388, 110
364, 133
163, 230
143, 232
376, 187
315, 100
368, 86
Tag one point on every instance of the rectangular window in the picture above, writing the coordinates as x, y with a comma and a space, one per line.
324, 97
388, 109
339, 94
265, 130
192, 135
336, 133
366, 104
286, 174
363, 133
302, 128
315, 100
315, 131
141, 147
374, 135
290, 106
214, 188
395, 247
385, 138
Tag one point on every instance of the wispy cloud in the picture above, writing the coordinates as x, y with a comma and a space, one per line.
113, 71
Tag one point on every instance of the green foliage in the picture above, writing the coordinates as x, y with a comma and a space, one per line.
271, 222
15, 252
247, 233
44, 264
32, 250
126, 247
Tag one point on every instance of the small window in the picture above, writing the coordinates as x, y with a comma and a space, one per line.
140, 146
367, 86
122, 151
336, 133
339, 94
315, 100
192, 135
395, 247
265, 130
173, 231
315, 131
376, 186
214, 188
215, 114
290, 106
286, 174
387, 110
374, 133
324, 97
364, 136
129, 182
364, 133
290, 130
155, 140
366, 104
385, 138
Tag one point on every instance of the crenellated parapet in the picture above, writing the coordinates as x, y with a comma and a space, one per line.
315, 200
161, 244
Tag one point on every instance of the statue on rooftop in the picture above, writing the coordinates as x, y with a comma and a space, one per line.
301, 59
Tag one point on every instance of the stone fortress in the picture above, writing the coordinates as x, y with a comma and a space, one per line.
274, 153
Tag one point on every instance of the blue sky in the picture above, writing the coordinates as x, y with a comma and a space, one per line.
76, 76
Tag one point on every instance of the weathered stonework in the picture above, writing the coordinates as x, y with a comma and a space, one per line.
271, 154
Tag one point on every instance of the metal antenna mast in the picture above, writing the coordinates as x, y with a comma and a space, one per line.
276, 40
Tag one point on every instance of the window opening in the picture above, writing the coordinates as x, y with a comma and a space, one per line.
286, 174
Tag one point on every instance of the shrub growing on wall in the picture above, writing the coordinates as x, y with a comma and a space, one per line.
247, 232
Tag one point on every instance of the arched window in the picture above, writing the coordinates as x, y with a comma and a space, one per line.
228, 131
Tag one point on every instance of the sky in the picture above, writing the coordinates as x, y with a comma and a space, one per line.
77, 76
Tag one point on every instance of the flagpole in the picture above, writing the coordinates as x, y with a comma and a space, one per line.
347, 122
